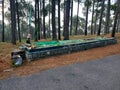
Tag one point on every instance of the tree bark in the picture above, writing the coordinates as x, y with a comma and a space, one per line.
76, 30
118, 23
92, 17
13, 20
71, 17
54, 36
100, 21
59, 32
115, 20
3, 32
107, 18
86, 23
64, 31
38, 20
49, 21
44, 31
41, 26
18, 20
95, 23
67, 15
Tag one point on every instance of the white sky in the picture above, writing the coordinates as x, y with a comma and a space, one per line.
74, 11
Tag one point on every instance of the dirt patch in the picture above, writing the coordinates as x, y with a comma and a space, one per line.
50, 62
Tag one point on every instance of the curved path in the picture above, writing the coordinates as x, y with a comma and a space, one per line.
103, 74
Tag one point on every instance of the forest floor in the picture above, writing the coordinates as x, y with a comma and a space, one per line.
6, 69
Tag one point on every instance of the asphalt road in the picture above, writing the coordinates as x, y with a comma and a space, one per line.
103, 74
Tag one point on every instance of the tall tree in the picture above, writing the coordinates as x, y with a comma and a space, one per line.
54, 36
44, 31
81, 24
67, 15
71, 17
118, 23
59, 32
86, 22
3, 37
41, 26
107, 18
76, 30
117, 11
96, 15
49, 18
92, 17
38, 6
64, 31
101, 14
13, 20
36, 20
18, 20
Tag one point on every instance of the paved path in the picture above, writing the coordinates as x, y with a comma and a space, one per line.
101, 74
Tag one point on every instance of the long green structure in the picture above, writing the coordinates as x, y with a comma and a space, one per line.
43, 49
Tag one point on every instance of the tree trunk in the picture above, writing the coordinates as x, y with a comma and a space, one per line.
92, 17
3, 37
41, 26
71, 17
95, 23
18, 20
44, 32
64, 31
13, 20
67, 15
101, 14
59, 32
107, 18
118, 23
38, 20
86, 22
49, 21
116, 17
54, 37
76, 30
